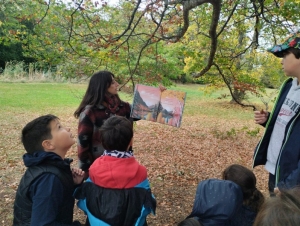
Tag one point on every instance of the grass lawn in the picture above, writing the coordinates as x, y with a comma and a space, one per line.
214, 134
54, 97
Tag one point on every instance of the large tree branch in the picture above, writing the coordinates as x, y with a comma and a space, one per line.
213, 36
230, 89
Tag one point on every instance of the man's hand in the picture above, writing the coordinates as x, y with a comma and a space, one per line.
260, 117
162, 88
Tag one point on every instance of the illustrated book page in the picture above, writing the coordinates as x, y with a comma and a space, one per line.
166, 107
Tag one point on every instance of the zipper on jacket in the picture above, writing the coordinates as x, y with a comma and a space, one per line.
269, 120
277, 167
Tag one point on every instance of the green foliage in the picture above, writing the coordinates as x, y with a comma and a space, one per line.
232, 133
14, 70
254, 132
10, 52
13, 32
271, 74
245, 70
20, 71
82, 40
290, 10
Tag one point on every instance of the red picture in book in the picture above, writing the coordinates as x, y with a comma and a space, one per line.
166, 107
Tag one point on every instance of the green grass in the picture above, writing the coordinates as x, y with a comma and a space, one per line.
34, 96
37, 96
201, 103
42, 98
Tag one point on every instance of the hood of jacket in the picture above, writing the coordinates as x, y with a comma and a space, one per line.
37, 157
217, 201
112, 172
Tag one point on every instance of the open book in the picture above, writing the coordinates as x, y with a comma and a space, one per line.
166, 107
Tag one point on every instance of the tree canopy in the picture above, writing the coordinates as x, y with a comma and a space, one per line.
215, 41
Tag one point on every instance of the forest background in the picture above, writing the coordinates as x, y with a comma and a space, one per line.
217, 47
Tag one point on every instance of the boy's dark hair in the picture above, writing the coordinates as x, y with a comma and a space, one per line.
35, 132
97, 88
246, 179
294, 51
283, 209
116, 133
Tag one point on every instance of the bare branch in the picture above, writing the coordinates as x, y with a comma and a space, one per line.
213, 36
228, 19
130, 21
48, 7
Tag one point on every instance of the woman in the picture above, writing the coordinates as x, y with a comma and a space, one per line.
100, 101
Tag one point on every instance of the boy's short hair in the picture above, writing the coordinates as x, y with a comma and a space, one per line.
290, 45
116, 133
294, 51
35, 132
283, 209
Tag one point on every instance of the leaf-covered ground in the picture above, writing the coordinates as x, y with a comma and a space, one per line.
176, 158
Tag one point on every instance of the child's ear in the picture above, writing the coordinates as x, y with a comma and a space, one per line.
47, 145
130, 144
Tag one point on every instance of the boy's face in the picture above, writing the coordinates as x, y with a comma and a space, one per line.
62, 138
291, 65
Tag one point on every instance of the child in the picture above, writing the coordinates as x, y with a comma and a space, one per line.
216, 202
284, 209
45, 192
252, 198
279, 148
118, 191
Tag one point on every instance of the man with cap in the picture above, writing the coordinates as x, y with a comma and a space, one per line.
279, 148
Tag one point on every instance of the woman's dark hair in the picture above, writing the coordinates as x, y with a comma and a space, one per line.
96, 90
116, 133
246, 179
283, 209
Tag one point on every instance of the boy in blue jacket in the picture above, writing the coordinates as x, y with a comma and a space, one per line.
45, 192
279, 148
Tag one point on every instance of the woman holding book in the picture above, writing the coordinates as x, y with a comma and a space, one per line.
100, 101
